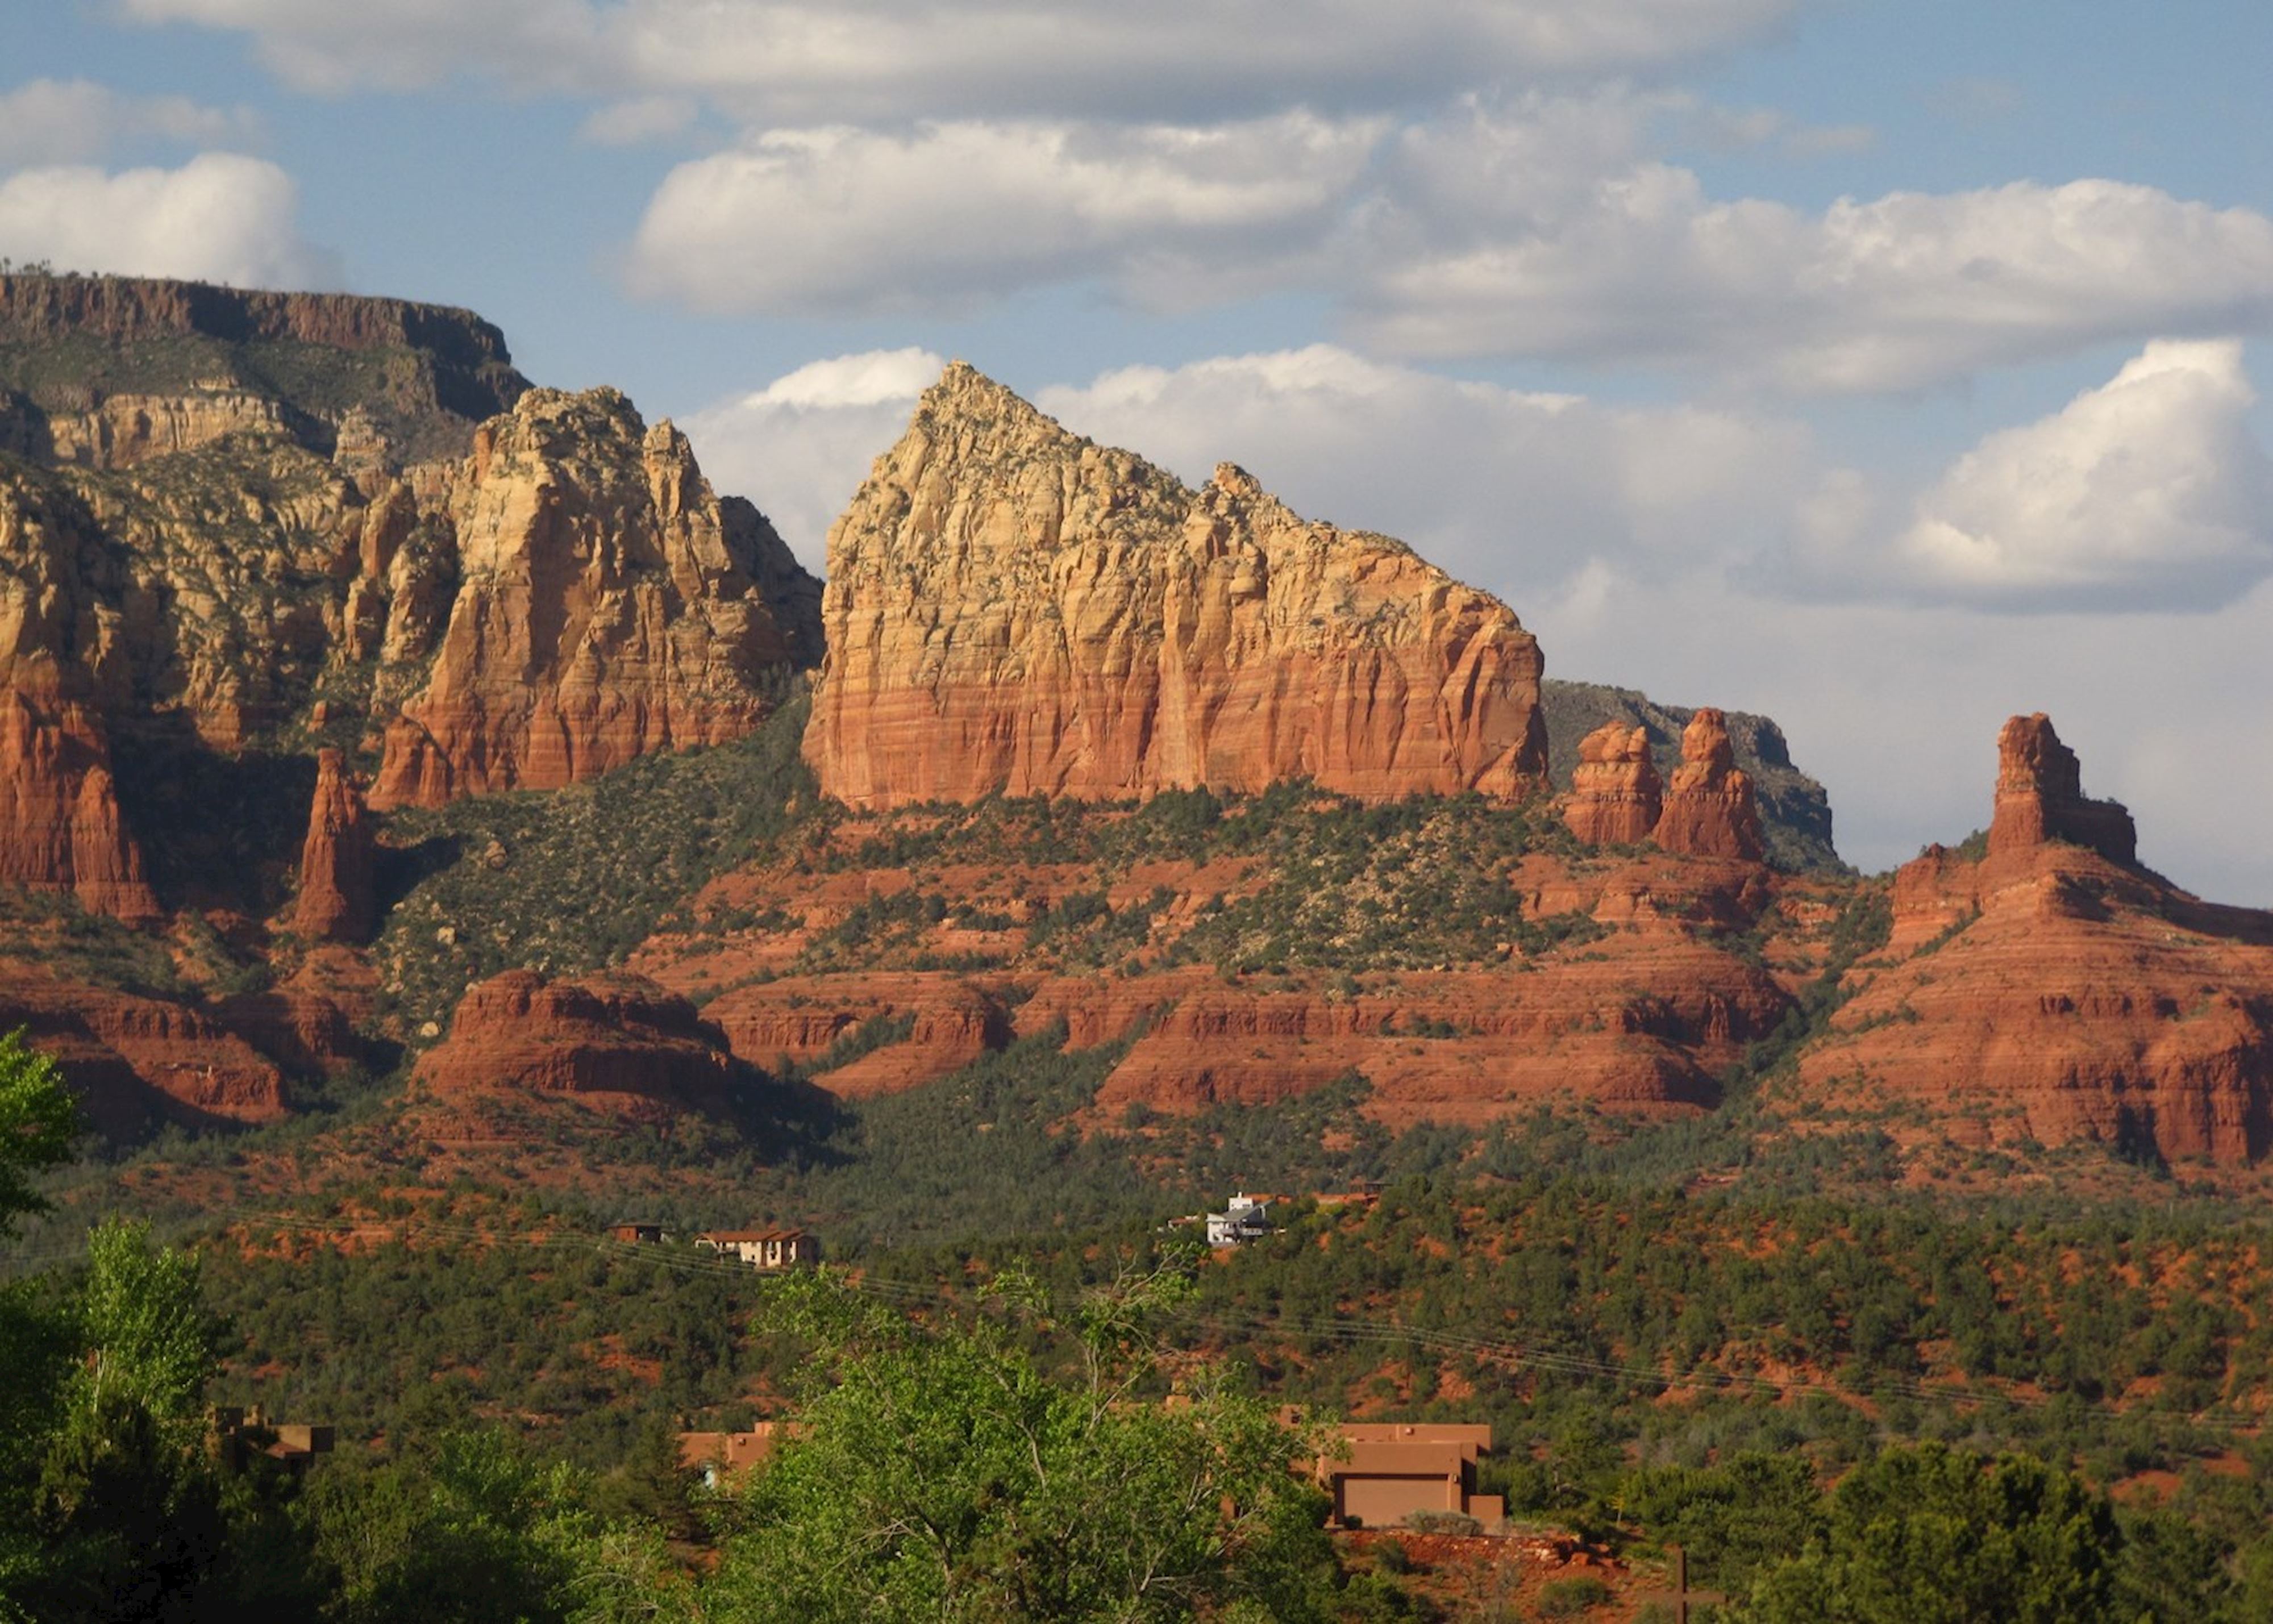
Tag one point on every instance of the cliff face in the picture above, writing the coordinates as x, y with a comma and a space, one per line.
201, 571
2052, 992
1012, 609
106, 369
606, 606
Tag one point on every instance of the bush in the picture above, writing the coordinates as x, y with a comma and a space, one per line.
1564, 1598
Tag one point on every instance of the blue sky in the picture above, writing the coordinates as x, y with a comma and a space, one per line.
1887, 367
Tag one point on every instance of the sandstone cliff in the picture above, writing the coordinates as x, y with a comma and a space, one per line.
2051, 992
1013, 609
107, 369
606, 607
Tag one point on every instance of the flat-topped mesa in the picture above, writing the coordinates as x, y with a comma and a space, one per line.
338, 900
1709, 810
1013, 609
36, 307
1616, 795
2040, 798
608, 607
106, 372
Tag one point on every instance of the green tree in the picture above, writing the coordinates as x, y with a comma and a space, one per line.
150, 1344
1937, 1536
941, 1474
38, 1122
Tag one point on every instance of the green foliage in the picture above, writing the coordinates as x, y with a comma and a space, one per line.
575, 879
38, 1122
1566, 1598
150, 1342
1734, 1520
1938, 1536
941, 1474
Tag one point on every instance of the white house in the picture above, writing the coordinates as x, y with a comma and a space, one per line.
764, 1248
1247, 1218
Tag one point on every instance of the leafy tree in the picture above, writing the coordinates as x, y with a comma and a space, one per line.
150, 1344
941, 1474
38, 1122
1932, 1535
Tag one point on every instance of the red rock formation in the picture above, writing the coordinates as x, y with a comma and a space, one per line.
1708, 806
1010, 609
2052, 992
133, 1061
1616, 796
60, 828
799, 1019
338, 899
602, 614
617, 1043
2040, 797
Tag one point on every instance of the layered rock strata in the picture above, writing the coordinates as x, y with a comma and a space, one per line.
1616, 796
1709, 810
338, 899
617, 1043
1012, 609
135, 1062
106, 370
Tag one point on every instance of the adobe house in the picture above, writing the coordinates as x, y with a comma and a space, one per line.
721, 1456
1394, 1469
764, 1248
236, 1434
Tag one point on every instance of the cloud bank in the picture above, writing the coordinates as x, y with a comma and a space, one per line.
220, 217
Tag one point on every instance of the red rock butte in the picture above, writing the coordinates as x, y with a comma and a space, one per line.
1616, 795
1013, 609
2040, 797
2054, 992
1709, 809
617, 1043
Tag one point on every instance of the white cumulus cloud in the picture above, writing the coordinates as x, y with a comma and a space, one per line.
1635, 264
1514, 490
48, 122
800, 446
220, 217
822, 61
2148, 492
841, 220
